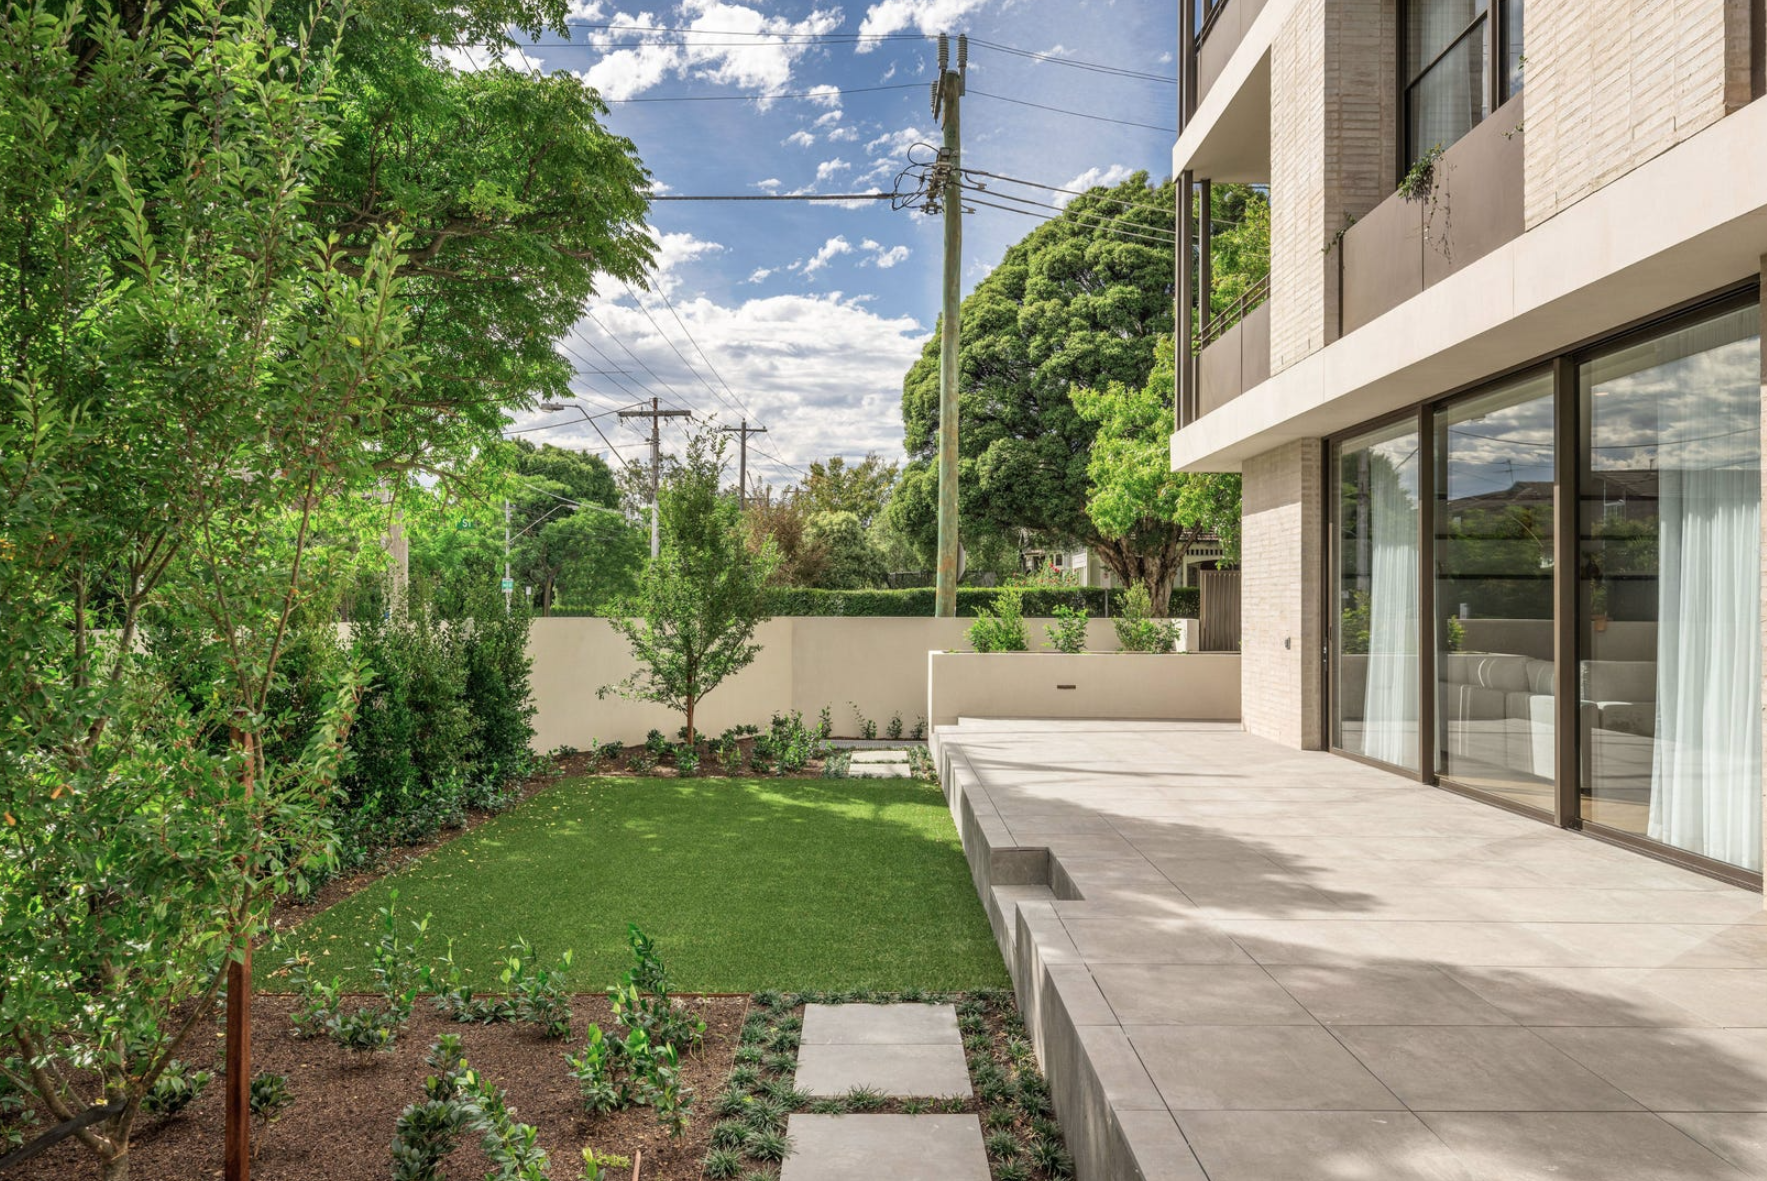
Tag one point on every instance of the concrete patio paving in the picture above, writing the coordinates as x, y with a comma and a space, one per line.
1242, 962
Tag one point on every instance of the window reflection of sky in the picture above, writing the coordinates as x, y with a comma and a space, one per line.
1704, 405
1493, 447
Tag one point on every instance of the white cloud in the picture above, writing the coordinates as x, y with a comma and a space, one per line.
880, 257
759, 274
1093, 177
771, 184
676, 250
828, 168
841, 135
925, 16
828, 120
823, 95
761, 58
775, 352
802, 139
831, 249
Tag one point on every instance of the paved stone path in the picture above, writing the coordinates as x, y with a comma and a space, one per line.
904, 1051
879, 764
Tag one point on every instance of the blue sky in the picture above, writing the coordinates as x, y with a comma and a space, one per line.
809, 315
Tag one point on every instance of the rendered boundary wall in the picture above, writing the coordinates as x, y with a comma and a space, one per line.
878, 663
1193, 686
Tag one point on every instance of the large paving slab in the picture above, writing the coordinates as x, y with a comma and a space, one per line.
874, 1147
902, 1072
881, 1025
1304, 967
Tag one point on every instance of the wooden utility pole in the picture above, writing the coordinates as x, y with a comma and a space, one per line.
948, 187
236, 1101
742, 463
656, 415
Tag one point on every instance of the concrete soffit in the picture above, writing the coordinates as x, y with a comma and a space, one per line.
1691, 221
1228, 138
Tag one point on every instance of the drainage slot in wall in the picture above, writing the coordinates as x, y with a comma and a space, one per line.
1067, 686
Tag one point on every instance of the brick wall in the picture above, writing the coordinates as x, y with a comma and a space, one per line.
1612, 83
1281, 666
1333, 123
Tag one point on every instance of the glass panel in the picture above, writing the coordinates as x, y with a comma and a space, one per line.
1513, 48
1431, 26
1449, 100
1374, 634
1493, 604
1670, 589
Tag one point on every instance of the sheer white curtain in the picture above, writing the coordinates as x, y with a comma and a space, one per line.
1706, 764
1389, 708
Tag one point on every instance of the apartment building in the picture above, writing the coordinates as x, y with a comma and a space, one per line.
1499, 415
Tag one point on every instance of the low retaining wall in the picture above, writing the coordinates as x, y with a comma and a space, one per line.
879, 664
1196, 686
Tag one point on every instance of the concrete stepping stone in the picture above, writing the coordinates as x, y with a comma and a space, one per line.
899, 1147
903, 1051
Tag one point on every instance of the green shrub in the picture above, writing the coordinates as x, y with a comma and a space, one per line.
1003, 628
496, 692
1039, 602
1137, 629
1068, 632
175, 1089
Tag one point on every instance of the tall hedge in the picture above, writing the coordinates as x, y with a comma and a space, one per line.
1039, 602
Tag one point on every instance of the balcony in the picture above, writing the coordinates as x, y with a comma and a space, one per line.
1222, 26
1235, 354
1407, 244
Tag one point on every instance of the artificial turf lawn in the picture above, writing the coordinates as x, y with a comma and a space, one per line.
744, 884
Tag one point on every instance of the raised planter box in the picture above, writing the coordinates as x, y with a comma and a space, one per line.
1197, 686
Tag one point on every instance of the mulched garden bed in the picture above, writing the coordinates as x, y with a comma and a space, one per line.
340, 1125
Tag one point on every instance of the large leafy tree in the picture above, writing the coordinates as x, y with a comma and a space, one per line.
692, 622
1082, 302
218, 346
513, 196
1136, 500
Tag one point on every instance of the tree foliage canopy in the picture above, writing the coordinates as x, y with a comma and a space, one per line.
1078, 303
1136, 499
1081, 303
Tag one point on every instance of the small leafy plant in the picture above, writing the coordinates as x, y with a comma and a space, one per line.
1003, 628
538, 992
597, 1164
176, 1088
894, 730
1068, 633
641, 1001
687, 761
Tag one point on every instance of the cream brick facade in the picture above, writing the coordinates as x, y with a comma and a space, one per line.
1612, 83
1281, 662
1333, 123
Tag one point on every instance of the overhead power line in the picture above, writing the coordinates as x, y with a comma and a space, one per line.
1112, 229
728, 403
1078, 214
762, 96
1076, 63
784, 197
1076, 114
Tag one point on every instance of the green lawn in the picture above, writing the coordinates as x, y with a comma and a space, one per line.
745, 885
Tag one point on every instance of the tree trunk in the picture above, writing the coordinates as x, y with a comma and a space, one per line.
691, 702
116, 1168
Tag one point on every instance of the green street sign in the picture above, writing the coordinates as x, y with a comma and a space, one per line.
508, 585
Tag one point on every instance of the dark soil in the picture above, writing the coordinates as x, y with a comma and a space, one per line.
340, 1125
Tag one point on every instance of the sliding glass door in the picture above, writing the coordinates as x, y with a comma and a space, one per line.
1493, 557
1375, 626
1670, 589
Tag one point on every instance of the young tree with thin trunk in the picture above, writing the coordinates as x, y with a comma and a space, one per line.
692, 623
